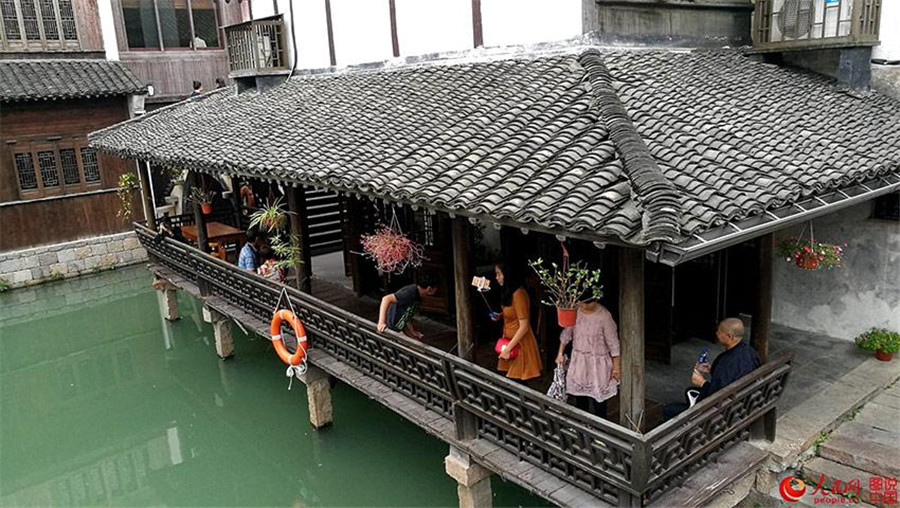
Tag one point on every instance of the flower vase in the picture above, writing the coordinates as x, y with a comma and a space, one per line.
206, 208
883, 356
808, 261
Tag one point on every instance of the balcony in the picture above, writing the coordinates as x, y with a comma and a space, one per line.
784, 25
256, 47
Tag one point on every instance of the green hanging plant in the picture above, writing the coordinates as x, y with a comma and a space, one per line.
128, 184
271, 218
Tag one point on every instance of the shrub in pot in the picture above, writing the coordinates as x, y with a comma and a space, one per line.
566, 286
881, 340
204, 197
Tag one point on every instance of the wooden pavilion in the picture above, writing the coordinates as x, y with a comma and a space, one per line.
644, 160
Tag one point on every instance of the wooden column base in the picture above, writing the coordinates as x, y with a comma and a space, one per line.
318, 394
474, 480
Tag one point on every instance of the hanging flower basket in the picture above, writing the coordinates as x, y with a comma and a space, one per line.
809, 254
392, 251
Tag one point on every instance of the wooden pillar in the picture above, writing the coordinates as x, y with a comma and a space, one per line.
473, 480
300, 229
631, 337
477, 28
199, 218
147, 203
465, 326
236, 201
763, 312
318, 394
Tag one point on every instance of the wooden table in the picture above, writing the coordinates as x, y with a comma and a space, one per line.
215, 232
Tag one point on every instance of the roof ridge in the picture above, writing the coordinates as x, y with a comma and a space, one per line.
661, 215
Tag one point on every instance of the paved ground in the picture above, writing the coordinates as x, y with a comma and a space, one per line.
819, 361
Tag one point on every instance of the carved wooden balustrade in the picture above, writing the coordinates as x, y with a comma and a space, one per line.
614, 463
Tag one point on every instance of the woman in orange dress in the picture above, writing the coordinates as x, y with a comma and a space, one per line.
516, 307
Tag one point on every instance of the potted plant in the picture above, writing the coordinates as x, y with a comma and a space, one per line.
881, 340
272, 217
392, 251
204, 197
809, 254
128, 184
566, 286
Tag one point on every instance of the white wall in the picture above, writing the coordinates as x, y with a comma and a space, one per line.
843, 302
108, 29
889, 49
508, 22
362, 28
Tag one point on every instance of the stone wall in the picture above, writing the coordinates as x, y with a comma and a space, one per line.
843, 302
53, 262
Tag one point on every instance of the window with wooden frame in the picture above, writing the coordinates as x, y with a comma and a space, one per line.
38, 25
171, 24
52, 168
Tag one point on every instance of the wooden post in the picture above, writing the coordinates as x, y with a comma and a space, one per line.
300, 229
395, 42
477, 29
763, 313
330, 30
465, 326
236, 201
147, 203
199, 218
631, 337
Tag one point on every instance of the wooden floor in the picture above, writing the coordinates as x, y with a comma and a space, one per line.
443, 336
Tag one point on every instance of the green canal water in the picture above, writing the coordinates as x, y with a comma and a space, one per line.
103, 403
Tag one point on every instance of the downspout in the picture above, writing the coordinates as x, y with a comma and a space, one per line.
293, 39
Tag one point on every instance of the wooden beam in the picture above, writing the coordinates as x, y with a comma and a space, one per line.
300, 229
395, 42
762, 318
147, 203
477, 32
631, 337
330, 28
465, 326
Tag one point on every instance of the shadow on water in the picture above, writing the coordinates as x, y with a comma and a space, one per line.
104, 403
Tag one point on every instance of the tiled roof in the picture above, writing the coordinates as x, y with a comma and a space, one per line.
29, 80
637, 146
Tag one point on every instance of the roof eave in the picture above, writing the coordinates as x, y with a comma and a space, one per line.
739, 231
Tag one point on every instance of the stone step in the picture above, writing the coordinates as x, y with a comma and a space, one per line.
889, 400
863, 454
879, 416
868, 433
829, 472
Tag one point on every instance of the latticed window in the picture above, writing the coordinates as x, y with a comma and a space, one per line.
38, 25
10, 19
69, 166
30, 20
89, 163
49, 173
25, 169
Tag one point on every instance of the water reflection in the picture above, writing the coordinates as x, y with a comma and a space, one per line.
103, 402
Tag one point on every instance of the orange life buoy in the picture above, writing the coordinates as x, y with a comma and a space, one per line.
281, 316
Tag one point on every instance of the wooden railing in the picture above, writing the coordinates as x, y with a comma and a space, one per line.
256, 47
614, 463
791, 24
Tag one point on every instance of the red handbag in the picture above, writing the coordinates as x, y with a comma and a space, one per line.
502, 344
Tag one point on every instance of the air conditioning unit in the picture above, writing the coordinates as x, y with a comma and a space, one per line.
810, 19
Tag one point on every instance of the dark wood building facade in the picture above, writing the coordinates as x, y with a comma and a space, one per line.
55, 88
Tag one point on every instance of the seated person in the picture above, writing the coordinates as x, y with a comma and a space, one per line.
397, 309
166, 228
268, 268
738, 360
249, 256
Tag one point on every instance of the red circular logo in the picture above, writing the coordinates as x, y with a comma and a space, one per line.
792, 489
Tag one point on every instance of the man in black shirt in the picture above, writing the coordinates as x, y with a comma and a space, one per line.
397, 309
738, 360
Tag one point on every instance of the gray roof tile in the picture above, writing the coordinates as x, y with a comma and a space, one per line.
29, 80
634, 145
